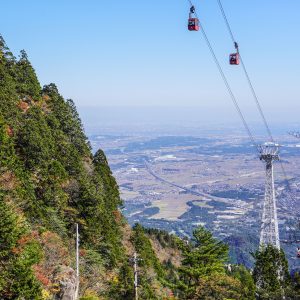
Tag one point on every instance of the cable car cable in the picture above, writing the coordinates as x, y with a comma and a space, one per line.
234, 100
253, 91
258, 147
246, 73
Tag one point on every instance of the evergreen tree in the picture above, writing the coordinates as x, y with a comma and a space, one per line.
109, 184
6, 54
271, 274
247, 283
28, 86
8, 95
203, 274
123, 287
144, 248
205, 257
296, 284
35, 140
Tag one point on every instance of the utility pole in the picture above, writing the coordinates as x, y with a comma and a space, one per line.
269, 229
77, 263
135, 261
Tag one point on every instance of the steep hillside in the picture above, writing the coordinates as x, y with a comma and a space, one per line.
49, 181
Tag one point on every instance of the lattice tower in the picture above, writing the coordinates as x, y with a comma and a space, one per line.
269, 228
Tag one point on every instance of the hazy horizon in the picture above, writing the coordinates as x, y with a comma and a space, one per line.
181, 119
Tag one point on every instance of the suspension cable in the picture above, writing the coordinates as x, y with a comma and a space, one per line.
246, 73
233, 98
253, 92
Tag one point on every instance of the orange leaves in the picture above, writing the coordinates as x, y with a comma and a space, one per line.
16, 250
24, 106
46, 97
9, 131
118, 216
27, 102
26, 239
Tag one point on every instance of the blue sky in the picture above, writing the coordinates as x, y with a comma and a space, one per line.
123, 53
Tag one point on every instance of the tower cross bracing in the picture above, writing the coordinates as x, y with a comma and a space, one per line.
269, 234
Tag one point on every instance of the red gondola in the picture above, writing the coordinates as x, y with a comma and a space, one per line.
234, 59
193, 24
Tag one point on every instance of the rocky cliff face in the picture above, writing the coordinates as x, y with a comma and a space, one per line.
68, 284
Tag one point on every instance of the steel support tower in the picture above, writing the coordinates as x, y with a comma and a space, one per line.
269, 234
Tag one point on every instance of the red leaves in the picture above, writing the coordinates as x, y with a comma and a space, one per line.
40, 275
25, 239
82, 252
55, 254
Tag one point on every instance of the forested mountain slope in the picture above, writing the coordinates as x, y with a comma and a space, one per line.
49, 181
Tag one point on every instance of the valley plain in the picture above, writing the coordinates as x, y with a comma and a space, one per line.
177, 182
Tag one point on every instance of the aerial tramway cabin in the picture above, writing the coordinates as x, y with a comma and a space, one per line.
193, 24
234, 59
